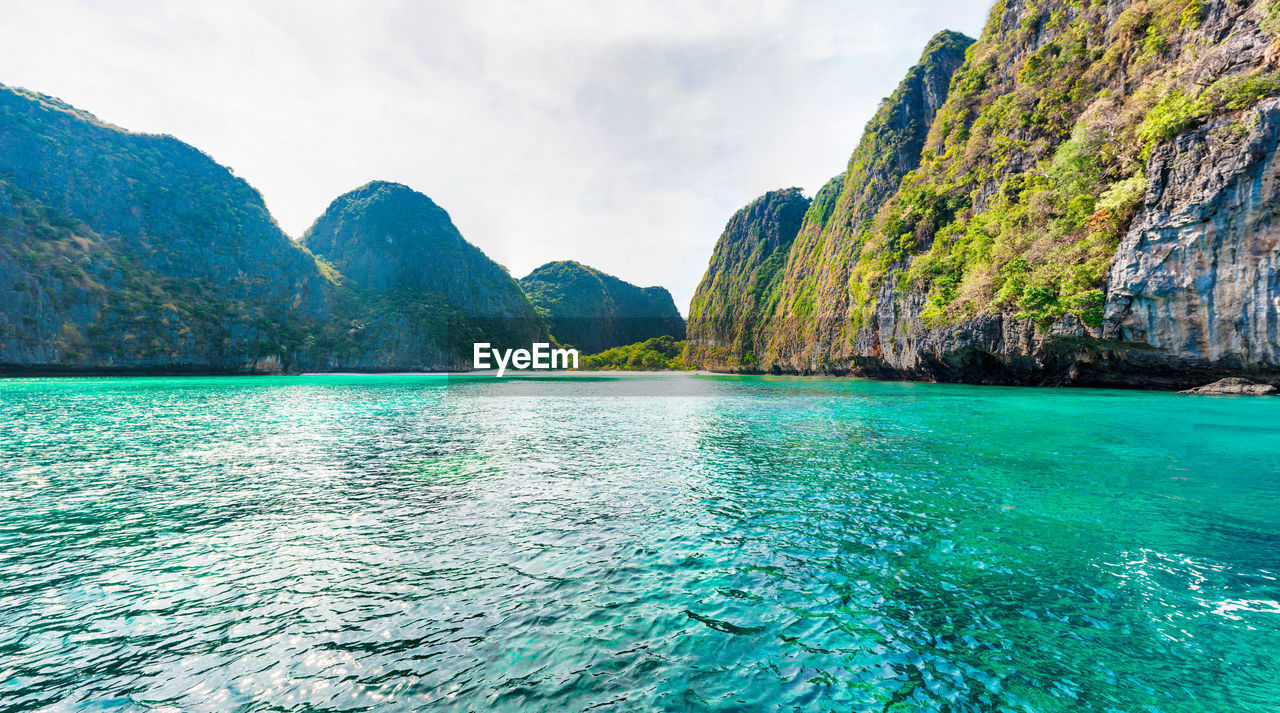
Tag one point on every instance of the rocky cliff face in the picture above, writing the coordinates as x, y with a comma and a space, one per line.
1092, 204
744, 280
593, 311
127, 252
1197, 277
807, 327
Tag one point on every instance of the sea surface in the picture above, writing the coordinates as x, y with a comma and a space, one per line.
668, 542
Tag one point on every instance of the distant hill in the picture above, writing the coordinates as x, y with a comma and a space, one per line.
593, 311
415, 275
131, 252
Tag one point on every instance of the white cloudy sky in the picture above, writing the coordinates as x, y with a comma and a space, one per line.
622, 134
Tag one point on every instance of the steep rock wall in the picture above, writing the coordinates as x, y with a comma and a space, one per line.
1197, 277
1093, 205
743, 281
806, 328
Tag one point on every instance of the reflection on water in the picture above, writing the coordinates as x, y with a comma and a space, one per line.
634, 543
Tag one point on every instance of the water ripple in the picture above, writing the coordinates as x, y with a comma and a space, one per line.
335, 543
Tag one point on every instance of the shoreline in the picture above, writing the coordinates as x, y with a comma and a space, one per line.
62, 372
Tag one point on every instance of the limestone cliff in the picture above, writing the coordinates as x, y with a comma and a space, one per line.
1197, 276
743, 281
806, 325
128, 251
1093, 204
122, 252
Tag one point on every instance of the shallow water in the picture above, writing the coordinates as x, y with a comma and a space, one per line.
673, 542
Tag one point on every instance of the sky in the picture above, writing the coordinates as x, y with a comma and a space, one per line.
623, 134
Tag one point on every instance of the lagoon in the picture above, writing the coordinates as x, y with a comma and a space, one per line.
669, 542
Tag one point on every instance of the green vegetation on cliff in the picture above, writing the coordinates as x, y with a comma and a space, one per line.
657, 354
816, 285
122, 249
1035, 165
593, 311
743, 280
760, 297
987, 200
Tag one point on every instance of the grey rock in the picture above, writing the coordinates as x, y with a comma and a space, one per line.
1233, 386
1197, 277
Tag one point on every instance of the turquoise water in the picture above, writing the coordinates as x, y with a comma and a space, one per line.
676, 542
